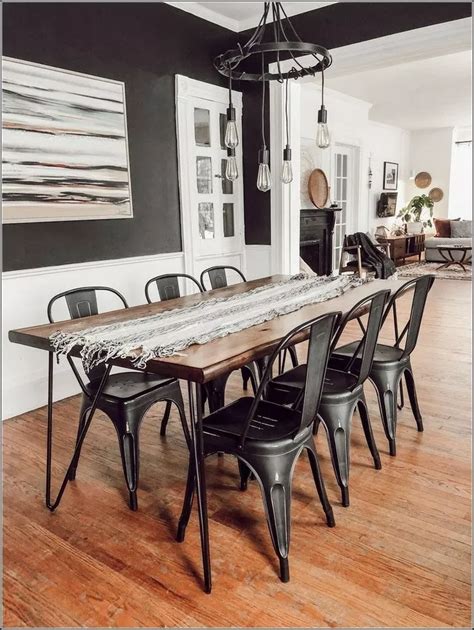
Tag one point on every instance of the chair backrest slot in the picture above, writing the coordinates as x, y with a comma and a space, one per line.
217, 276
168, 286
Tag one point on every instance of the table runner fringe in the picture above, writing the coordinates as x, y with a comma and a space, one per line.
168, 333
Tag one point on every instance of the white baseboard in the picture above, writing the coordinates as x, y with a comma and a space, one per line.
26, 294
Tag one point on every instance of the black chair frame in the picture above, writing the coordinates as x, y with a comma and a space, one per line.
246, 429
386, 372
168, 286
343, 389
126, 413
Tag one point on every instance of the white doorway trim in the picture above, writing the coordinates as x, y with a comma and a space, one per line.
187, 91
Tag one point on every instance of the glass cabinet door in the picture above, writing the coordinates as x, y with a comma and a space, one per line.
218, 228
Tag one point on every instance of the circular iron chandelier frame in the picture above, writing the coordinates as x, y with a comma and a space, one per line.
227, 63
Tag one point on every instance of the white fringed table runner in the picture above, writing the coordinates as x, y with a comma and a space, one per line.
169, 332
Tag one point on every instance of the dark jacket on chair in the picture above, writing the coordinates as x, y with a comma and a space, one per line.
371, 256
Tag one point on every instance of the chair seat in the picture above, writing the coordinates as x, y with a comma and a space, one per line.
125, 386
335, 381
272, 422
383, 354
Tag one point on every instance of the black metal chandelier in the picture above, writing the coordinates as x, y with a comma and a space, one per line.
283, 45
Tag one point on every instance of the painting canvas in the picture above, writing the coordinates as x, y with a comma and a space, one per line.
65, 148
390, 175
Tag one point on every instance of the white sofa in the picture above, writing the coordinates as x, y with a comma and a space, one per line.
461, 236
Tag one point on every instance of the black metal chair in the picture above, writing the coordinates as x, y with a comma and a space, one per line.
127, 395
268, 438
168, 286
343, 388
392, 362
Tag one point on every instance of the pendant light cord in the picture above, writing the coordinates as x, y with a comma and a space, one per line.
286, 116
263, 102
230, 86
322, 85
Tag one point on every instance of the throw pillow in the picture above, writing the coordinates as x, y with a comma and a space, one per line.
442, 227
461, 229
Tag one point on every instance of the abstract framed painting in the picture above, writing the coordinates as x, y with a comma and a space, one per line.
65, 145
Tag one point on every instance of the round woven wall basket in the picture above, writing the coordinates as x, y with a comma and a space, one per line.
436, 194
423, 179
318, 188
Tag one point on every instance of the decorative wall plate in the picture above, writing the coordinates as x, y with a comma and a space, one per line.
318, 188
436, 194
423, 179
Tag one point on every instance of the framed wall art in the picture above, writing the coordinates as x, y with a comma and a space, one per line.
390, 176
65, 146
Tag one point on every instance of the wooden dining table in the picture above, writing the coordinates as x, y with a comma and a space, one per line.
197, 365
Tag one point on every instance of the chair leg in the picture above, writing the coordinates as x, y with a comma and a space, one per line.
410, 381
319, 482
337, 422
369, 436
249, 373
187, 503
274, 474
166, 417
129, 451
386, 384
82, 420
293, 356
245, 474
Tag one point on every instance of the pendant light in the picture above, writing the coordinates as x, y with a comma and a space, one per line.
287, 170
231, 171
236, 64
323, 139
264, 178
231, 139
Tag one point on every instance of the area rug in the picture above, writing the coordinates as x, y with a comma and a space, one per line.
423, 268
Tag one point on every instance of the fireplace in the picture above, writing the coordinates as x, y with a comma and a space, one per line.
316, 230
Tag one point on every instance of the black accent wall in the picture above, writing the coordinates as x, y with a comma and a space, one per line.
333, 26
144, 45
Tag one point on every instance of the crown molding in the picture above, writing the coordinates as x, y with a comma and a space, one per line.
207, 14
196, 8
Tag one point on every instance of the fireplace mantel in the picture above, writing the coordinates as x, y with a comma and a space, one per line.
316, 230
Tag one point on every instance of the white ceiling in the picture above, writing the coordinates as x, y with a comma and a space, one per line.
239, 16
422, 94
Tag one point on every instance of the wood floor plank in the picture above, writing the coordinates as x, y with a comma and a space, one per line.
398, 557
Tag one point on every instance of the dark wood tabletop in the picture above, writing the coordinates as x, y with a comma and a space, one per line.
203, 363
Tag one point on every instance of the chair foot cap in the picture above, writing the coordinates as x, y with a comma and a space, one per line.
393, 448
284, 570
330, 520
345, 496
378, 464
133, 502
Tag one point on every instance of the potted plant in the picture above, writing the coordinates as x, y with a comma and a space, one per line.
411, 214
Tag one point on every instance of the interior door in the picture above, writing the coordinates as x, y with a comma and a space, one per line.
344, 194
213, 205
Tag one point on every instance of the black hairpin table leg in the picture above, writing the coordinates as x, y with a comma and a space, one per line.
197, 453
52, 505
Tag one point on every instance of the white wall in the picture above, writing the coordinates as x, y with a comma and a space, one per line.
431, 151
460, 181
349, 123
26, 295
25, 298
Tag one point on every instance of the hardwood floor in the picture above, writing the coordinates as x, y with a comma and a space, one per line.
398, 557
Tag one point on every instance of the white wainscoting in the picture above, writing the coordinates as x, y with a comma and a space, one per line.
26, 294
258, 261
